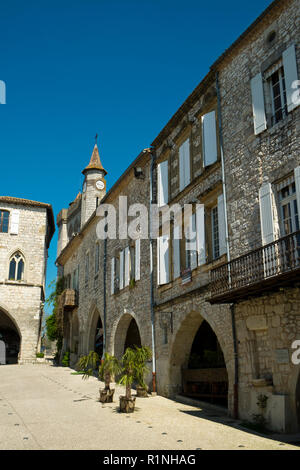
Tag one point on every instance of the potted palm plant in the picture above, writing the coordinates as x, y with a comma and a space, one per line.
143, 355
107, 369
128, 361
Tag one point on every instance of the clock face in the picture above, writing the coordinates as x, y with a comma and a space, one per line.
99, 184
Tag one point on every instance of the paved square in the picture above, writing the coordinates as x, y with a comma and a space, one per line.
45, 407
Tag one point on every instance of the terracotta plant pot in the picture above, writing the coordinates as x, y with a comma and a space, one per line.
141, 392
106, 396
127, 404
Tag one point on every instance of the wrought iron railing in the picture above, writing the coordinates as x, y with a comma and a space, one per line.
276, 258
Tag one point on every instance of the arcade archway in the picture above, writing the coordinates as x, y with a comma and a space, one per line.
127, 335
10, 335
197, 367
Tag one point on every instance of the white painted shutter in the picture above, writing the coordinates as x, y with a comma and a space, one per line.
184, 165
221, 225
191, 243
163, 185
187, 170
14, 227
176, 252
266, 214
258, 104
127, 267
137, 259
209, 138
200, 225
297, 183
163, 259
290, 76
112, 280
121, 269
181, 169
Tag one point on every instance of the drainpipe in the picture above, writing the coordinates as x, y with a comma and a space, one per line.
151, 275
104, 298
232, 307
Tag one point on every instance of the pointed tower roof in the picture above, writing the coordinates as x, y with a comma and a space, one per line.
95, 162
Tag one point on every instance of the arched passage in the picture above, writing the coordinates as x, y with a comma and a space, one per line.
298, 401
95, 334
10, 335
197, 366
127, 335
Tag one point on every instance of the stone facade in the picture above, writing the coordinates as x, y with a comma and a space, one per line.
266, 325
214, 156
29, 232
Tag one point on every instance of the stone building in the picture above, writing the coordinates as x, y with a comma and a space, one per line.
260, 133
26, 229
219, 305
87, 262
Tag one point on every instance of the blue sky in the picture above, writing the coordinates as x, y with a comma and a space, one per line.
120, 68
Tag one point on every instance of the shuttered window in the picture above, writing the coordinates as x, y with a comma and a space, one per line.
258, 104
112, 278
221, 225
209, 138
163, 260
200, 225
4, 221
266, 214
291, 77
121, 269
176, 252
163, 183
284, 92
137, 260
14, 228
184, 165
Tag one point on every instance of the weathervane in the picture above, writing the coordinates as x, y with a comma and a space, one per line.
96, 137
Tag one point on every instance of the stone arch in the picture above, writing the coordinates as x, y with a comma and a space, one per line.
294, 399
181, 348
11, 335
120, 334
94, 318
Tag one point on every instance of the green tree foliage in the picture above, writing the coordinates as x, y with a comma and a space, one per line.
53, 321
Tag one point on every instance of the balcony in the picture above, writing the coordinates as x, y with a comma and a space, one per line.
68, 299
267, 268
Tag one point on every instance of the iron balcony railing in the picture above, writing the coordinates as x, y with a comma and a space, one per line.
266, 263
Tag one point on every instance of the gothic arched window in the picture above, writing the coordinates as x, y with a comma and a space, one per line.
16, 267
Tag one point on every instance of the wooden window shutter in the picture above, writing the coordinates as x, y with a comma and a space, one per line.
163, 184
176, 252
112, 280
209, 138
191, 242
297, 184
181, 168
137, 259
221, 225
290, 76
200, 225
258, 104
266, 214
163, 259
121, 269
127, 267
14, 228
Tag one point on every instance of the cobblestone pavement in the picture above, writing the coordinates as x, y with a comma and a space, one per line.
46, 407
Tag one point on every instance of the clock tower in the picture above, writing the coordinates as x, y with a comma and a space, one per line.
94, 186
